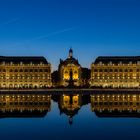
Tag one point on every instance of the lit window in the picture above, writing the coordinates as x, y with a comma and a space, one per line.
138, 62
100, 62
130, 62
11, 63
21, 63
110, 62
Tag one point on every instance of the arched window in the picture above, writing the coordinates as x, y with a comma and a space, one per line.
15, 86
10, 85
30, 85
4, 85
40, 85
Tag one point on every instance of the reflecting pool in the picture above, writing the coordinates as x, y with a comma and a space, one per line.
66, 116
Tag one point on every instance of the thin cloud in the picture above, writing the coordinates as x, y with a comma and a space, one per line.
54, 33
9, 21
46, 36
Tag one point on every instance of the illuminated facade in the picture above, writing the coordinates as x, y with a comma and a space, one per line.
70, 68
116, 72
24, 105
24, 72
70, 105
115, 104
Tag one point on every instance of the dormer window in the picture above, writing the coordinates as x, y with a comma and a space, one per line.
120, 63
31, 63
100, 63
11, 63
21, 63
130, 62
138, 62
3, 62
110, 63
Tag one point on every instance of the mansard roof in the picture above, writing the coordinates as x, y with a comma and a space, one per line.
117, 59
23, 59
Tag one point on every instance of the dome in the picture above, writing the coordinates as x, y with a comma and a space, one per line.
70, 59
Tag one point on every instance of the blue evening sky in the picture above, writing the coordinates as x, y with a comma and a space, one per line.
50, 27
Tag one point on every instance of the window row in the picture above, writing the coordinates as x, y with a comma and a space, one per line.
25, 70
116, 77
24, 85
115, 70
43, 77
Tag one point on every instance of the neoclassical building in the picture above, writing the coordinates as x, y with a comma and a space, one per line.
70, 70
116, 72
24, 72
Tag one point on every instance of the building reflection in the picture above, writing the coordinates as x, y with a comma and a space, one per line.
103, 104
116, 105
24, 105
70, 104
